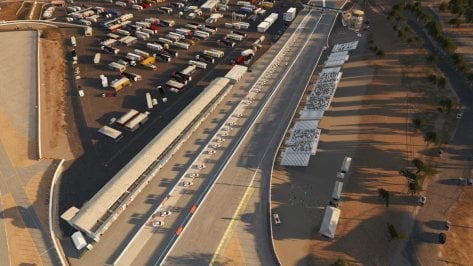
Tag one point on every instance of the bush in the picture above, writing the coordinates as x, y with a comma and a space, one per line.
447, 104
432, 137
432, 78
394, 233
443, 6
433, 59
455, 21
417, 123
380, 53
441, 82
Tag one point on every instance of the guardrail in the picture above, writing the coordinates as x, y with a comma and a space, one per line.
282, 139
52, 211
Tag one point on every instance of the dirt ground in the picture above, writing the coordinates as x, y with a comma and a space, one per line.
384, 140
462, 36
53, 126
457, 249
22, 251
9, 10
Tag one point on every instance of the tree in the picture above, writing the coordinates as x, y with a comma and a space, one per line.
441, 82
443, 6
394, 233
380, 53
385, 196
408, 174
447, 104
419, 165
455, 21
433, 59
432, 137
432, 78
418, 123
414, 187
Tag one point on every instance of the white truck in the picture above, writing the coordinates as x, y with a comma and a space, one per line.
182, 45
214, 53
345, 165
116, 66
154, 46
97, 58
73, 41
198, 64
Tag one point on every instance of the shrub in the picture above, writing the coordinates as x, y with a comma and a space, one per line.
380, 53
432, 78
418, 123
394, 233
441, 82
385, 196
433, 59
443, 6
432, 137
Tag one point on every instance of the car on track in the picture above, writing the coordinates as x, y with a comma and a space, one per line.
165, 213
156, 224
193, 175
187, 183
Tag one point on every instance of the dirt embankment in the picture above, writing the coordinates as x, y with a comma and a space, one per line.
53, 126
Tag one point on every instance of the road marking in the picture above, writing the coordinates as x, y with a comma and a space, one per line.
250, 188
228, 232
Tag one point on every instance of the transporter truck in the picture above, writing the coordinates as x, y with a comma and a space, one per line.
119, 84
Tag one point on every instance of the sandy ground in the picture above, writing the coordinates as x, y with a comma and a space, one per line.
457, 250
9, 10
22, 251
369, 118
462, 36
53, 127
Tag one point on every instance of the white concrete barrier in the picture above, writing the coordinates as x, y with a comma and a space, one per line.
52, 211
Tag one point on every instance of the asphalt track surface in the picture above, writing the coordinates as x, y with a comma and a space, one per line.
251, 165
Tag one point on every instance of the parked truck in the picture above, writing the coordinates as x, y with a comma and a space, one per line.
119, 84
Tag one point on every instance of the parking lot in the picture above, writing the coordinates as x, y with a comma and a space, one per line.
99, 110
102, 156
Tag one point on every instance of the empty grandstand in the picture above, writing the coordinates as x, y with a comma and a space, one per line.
95, 217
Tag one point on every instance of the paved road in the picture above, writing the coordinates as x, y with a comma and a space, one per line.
251, 164
442, 192
17, 103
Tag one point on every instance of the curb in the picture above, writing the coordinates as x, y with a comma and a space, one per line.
52, 212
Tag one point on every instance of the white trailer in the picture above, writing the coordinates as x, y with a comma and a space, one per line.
214, 53
186, 32
188, 71
209, 30
164, 40
182, 45
113, 36
180, 36
137, 7
174, 85
112, 133
78, 240
345, 165
235, 37
137, 121
263, 26
337, 190
108, 42
130, 40
73, 41
329, 222
127, 117
149, 101
133, 56
174, 38
154, 46
104, 80
117, 66
290, 14
141, 53
201, 34
142, 35
125, 17
143, 24
198, 64
149, 31
97, 58
123, 32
